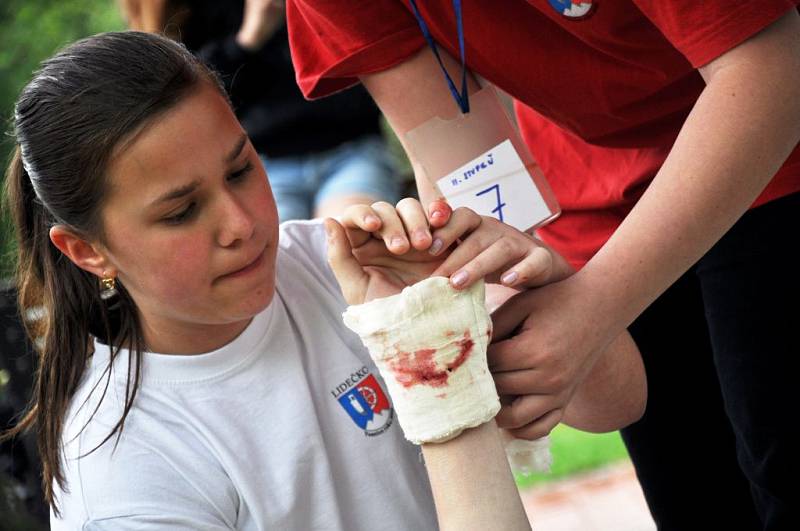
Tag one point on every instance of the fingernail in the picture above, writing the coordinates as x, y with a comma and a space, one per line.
459, 278
509, 278
436, 246
398, 242
371, 220
436, 214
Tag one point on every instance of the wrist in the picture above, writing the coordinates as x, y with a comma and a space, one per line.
429, 344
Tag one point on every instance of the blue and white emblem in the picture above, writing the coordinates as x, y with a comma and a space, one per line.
573, 9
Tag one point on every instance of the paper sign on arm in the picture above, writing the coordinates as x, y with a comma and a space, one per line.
478, 160
497, 184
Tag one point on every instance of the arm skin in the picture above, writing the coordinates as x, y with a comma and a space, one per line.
472, 483
411, 93
742, 128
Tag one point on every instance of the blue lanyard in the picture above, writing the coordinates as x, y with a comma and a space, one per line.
461, 98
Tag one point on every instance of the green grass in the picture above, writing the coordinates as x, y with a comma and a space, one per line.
576, 451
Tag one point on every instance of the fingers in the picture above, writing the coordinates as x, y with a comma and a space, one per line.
401, 228
468, 263
392, 230
533, 270
346, 268
415, 223
540, 427
517, 382
360, 221
439, 213
489, 247
508, 355
462, 222
509, 316
529, 417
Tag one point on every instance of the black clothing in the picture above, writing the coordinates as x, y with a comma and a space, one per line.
718, 445
265, 95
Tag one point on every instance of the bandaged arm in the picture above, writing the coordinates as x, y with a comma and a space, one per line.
429, 343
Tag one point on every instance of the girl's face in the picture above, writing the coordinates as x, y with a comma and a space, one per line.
191, 227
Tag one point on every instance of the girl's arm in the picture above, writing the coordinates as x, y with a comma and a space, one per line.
470, 477
472, 483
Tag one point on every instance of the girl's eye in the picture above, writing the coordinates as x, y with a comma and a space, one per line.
180, 217
241, 174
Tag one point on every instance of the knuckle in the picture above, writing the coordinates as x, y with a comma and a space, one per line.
507, 248
552, 381
382, 205
407, 202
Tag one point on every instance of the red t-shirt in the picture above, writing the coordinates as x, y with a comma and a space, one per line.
599, 98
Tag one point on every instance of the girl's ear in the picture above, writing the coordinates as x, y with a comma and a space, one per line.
86, 255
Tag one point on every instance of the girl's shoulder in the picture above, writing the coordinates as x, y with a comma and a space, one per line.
112, 481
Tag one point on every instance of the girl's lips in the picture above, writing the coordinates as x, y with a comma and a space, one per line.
249, 268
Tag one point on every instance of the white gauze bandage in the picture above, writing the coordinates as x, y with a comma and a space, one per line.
429, 343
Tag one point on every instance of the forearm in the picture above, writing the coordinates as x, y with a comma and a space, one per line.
412, 93
472, 483
742, 128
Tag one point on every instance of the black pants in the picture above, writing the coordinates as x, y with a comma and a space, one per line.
719, 445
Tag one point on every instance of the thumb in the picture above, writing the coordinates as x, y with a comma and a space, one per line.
348, 271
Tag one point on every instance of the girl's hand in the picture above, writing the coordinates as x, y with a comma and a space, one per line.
375, 251
489, 248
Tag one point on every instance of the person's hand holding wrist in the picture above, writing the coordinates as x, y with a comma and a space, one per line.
546, 341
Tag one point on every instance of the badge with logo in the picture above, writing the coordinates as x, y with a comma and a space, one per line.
363, 398
574, 9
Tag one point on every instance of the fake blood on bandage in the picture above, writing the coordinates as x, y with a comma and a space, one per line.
420, 368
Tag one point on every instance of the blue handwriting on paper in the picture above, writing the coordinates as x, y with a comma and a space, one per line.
500, 204
474, 170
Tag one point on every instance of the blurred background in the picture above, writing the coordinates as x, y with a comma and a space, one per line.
588, 470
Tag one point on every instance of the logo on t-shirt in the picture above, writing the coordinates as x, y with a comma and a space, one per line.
363, 398
574, 9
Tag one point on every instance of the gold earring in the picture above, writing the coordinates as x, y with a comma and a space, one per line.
109, 287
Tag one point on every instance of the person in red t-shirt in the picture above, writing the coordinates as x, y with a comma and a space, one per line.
669, 133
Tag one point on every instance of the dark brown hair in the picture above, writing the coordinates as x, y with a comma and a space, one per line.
81, 106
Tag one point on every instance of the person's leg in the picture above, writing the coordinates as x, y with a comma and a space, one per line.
751, 290
357, 172
683, 448
289, 180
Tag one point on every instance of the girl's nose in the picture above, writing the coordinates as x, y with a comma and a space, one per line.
236, 223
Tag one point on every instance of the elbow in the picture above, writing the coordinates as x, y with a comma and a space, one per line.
595, 415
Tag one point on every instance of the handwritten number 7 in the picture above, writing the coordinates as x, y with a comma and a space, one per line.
499, 208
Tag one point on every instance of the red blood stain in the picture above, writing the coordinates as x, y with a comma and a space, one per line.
419, 367
465, 348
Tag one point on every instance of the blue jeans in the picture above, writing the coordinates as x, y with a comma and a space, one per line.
360, 167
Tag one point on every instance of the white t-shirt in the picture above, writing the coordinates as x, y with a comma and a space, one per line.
286, 427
